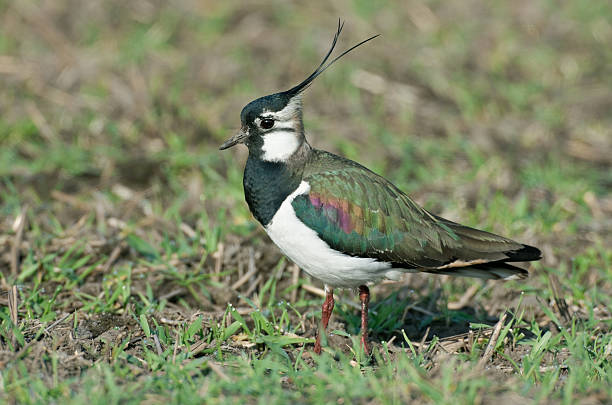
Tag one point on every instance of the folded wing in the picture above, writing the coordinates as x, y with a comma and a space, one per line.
361, 214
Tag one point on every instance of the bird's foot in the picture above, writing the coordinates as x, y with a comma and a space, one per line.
317, 347
364, 297
326, 312
364, 344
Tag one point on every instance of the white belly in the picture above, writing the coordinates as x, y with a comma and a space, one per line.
302, 245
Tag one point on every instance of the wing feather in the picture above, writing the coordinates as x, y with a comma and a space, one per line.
362, 214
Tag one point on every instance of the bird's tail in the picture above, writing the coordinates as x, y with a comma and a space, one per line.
486, 255
494, 271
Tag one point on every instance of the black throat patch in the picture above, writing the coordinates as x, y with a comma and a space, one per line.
267, 185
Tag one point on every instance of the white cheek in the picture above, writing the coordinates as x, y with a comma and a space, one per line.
279, 146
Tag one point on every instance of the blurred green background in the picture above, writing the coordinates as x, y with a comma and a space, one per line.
458, 103
496, 114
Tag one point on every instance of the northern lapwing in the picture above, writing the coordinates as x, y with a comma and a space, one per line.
344, 224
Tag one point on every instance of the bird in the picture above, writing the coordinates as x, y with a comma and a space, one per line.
343, 224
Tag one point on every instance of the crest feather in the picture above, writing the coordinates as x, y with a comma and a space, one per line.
323, 66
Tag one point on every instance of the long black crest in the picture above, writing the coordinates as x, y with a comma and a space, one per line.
321, 68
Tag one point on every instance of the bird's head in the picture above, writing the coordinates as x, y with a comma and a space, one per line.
271, 126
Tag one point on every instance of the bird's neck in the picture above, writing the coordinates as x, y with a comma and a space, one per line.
267, 184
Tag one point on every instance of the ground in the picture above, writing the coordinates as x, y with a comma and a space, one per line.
131, 270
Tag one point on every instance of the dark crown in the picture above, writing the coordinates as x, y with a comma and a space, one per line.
278, 101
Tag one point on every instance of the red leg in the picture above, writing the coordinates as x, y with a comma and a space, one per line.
326, 311
364, 297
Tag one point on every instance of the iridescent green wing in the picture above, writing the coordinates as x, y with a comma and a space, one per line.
361, 214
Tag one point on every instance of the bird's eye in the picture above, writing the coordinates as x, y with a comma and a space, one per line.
266, 123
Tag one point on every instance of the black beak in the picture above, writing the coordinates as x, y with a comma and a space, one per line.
236, 139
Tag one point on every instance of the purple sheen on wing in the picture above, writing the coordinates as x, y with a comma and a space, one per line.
315, 201
334, 211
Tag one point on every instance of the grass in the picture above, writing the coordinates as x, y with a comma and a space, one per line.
139, 275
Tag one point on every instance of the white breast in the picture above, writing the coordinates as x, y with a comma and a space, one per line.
302, 245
